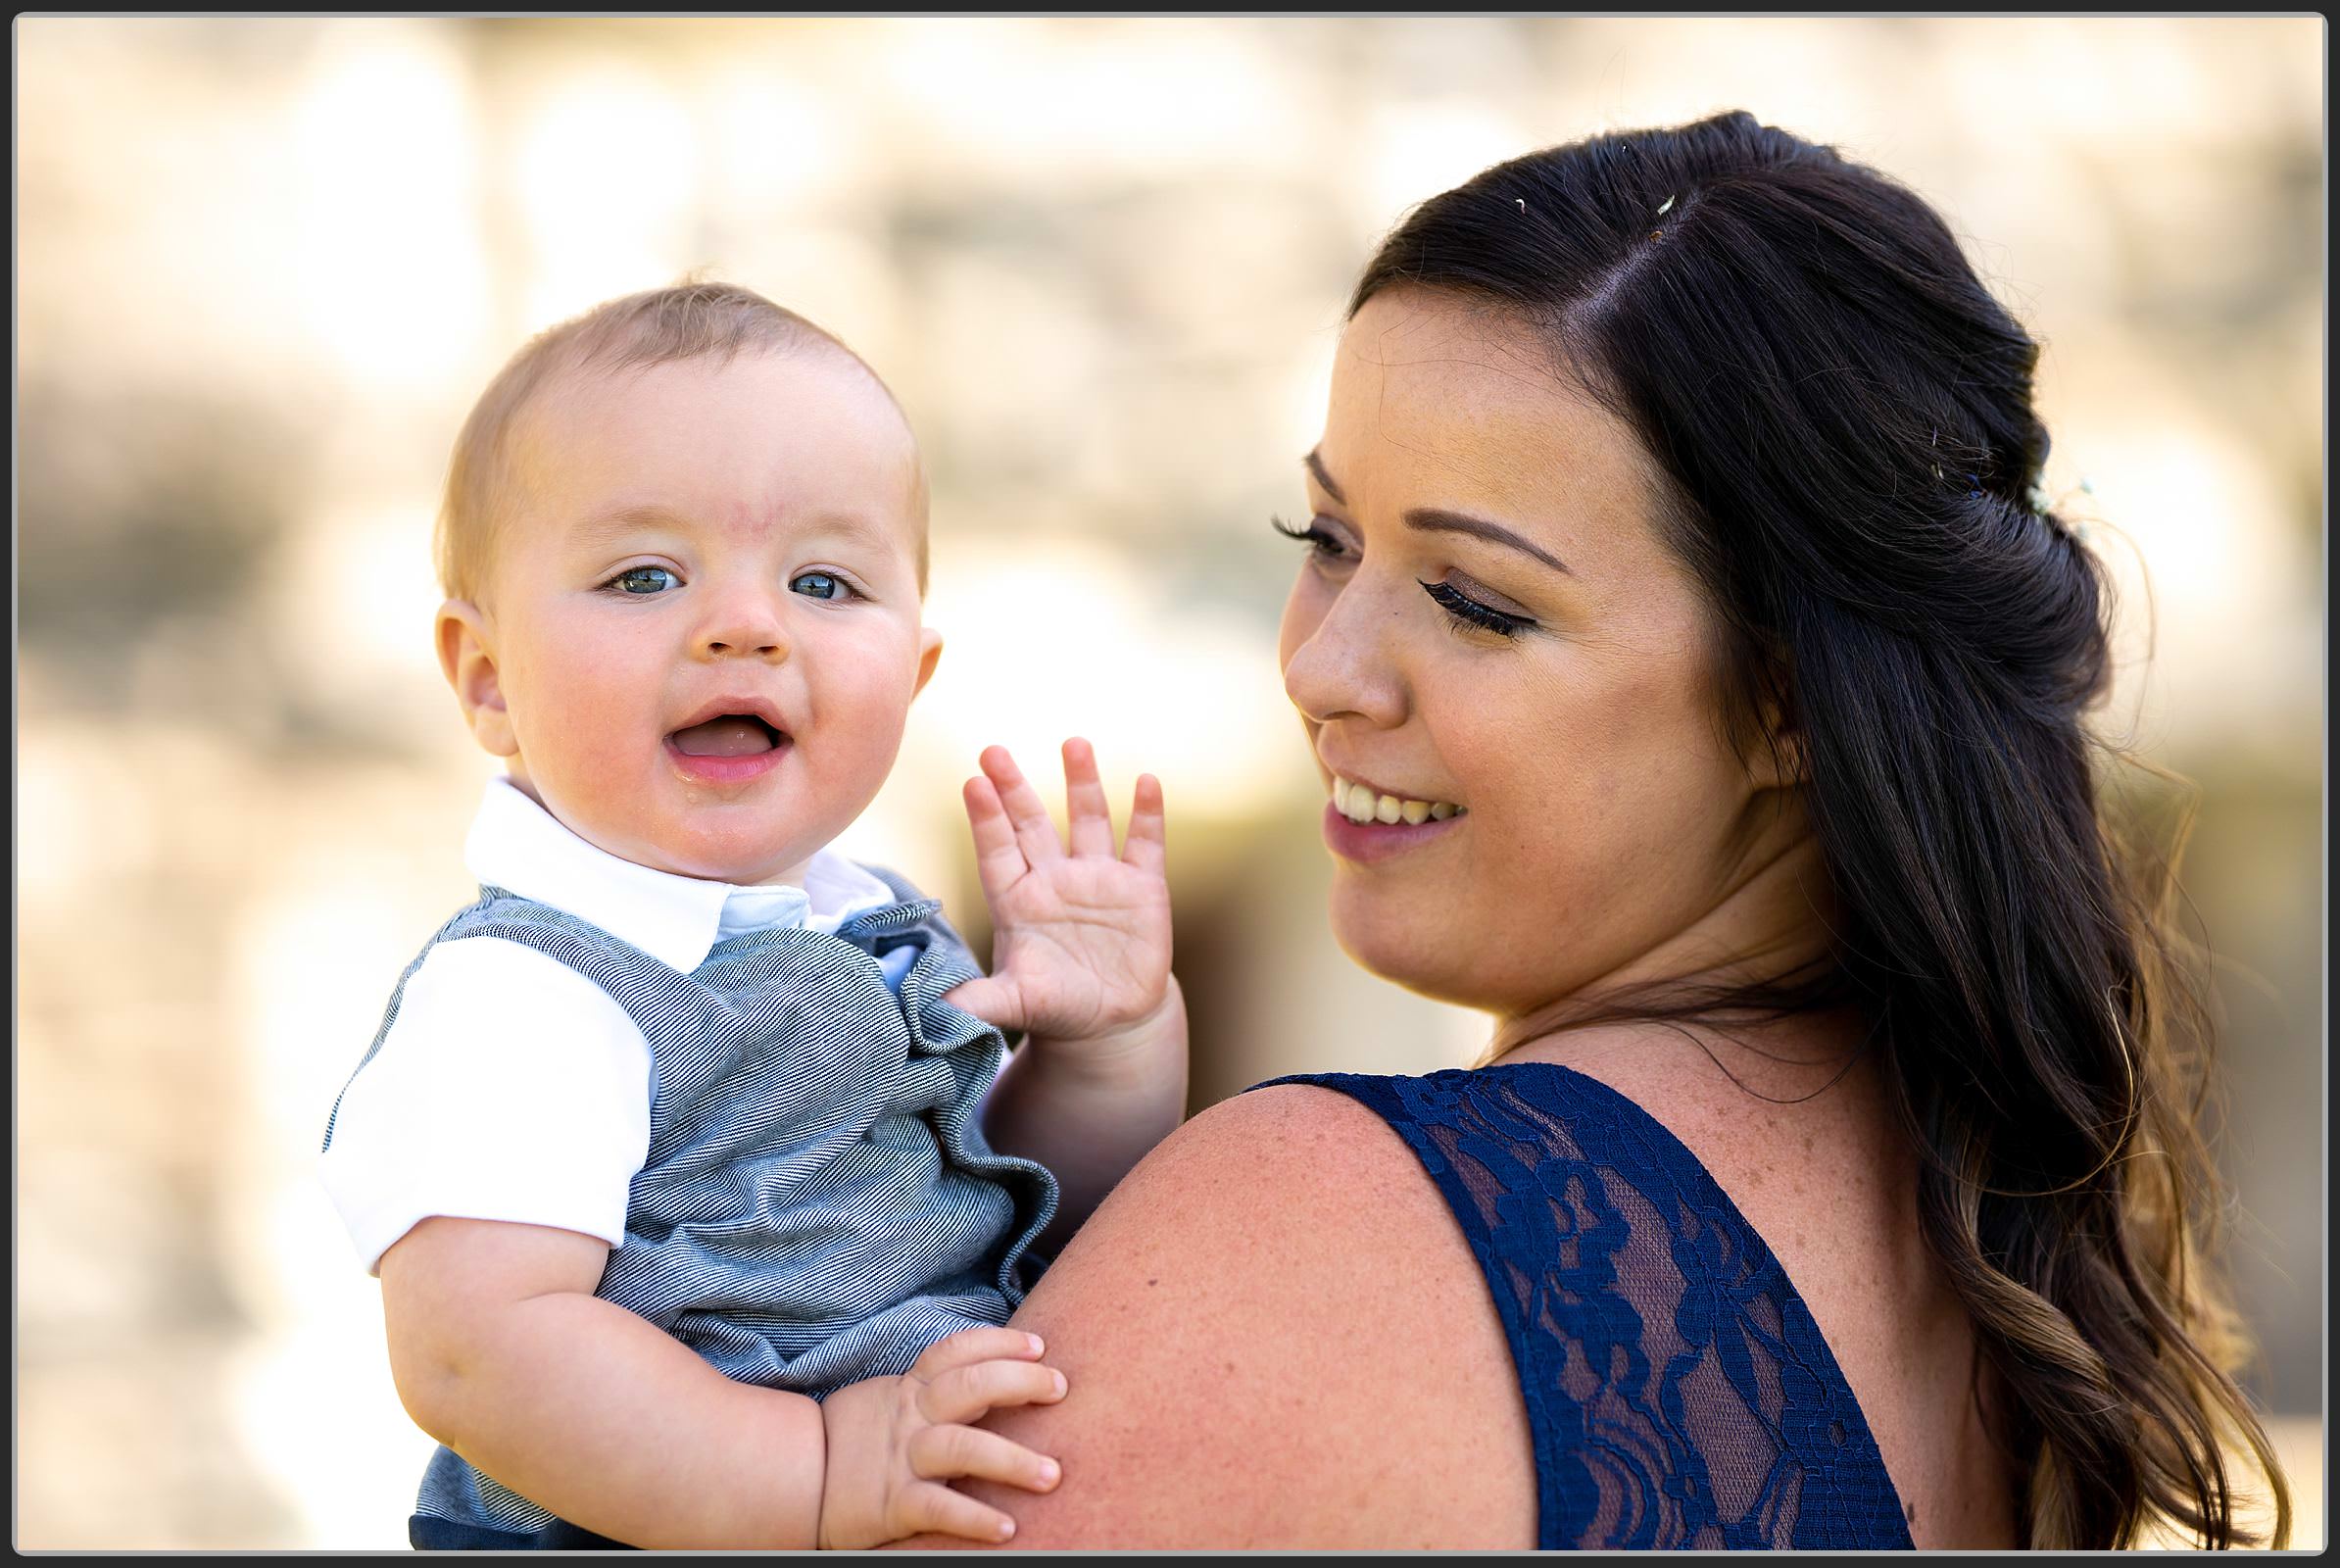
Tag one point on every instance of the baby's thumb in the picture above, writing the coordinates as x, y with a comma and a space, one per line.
990, 998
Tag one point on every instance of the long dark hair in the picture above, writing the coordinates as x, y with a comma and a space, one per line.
1843, 416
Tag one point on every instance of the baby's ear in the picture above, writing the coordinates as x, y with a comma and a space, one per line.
468, 661
930, 653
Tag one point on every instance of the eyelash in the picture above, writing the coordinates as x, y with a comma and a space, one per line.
1324, 543
1461, 609
1471, 613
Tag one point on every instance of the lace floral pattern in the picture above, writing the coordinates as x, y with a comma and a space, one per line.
1679, 1390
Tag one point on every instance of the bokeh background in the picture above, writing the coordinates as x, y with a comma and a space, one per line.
263, 264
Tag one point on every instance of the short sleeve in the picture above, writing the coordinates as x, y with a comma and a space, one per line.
510, 1087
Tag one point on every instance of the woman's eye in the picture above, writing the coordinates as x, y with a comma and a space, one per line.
643, 580
818, 585
1468, 611
1319, 538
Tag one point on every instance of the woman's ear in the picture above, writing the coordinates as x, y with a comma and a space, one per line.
1775, 754
1776, 760
467, 657
930, 653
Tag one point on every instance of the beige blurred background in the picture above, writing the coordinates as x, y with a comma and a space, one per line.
265, 264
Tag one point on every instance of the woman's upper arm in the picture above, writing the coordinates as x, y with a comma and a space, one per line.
1274, 1335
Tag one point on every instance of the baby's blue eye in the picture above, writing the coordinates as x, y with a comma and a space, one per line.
643, 579
818, 585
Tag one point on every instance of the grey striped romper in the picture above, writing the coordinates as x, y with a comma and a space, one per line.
817, 1204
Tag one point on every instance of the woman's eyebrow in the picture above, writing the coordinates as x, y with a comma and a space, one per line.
1436, 519
1316, 466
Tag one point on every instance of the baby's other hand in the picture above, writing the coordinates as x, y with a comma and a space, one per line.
895, 1441
1081, 940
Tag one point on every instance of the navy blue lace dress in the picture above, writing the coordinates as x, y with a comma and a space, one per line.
1678, 1392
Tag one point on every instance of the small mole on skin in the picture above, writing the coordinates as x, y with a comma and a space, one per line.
1911, 1509
1153, 1282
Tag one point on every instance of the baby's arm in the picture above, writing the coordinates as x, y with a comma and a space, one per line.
1081, 962
500, 1351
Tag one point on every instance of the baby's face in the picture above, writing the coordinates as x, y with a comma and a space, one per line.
703, 614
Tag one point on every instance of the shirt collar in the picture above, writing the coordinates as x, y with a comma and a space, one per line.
517, 845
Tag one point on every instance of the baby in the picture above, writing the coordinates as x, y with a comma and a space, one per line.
675, 1151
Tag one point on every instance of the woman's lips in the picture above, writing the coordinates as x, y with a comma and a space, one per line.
1368, 842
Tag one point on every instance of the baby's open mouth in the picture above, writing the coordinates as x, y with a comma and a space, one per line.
728, 735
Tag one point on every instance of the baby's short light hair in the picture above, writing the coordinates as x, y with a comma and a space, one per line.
689, 321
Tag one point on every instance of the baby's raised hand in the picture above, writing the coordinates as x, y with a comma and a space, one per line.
895, 1443
1081, 938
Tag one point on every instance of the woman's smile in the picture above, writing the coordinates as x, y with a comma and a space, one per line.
1364, 823
1375, 840
1363, 802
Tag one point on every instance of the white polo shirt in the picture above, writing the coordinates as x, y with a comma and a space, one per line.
512, 1088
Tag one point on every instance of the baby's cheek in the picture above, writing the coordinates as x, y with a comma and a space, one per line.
867, 726
591, 759
877, 685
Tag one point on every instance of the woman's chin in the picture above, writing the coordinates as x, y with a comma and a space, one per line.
1415, 950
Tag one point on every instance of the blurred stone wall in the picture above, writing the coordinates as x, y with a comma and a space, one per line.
263, 264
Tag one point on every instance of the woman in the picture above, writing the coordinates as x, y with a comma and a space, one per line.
1680, 621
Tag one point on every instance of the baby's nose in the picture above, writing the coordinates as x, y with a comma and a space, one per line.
744, 637
746, 647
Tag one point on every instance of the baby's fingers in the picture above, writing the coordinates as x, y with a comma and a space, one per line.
968, 1346
1145, 846
929, 1505
966, 1393
1027, 813
998, 859
993, 1000
940, 1453
1085, 807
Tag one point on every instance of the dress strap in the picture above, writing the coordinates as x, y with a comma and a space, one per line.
1678, 1392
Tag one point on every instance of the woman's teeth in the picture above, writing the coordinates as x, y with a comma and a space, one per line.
1360, 804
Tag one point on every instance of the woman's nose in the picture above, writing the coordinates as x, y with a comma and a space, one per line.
1342, 667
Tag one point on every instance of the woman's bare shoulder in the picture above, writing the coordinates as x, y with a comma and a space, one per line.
1274, 1335
1322, 1149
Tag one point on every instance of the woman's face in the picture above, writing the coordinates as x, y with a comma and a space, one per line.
1487, 620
